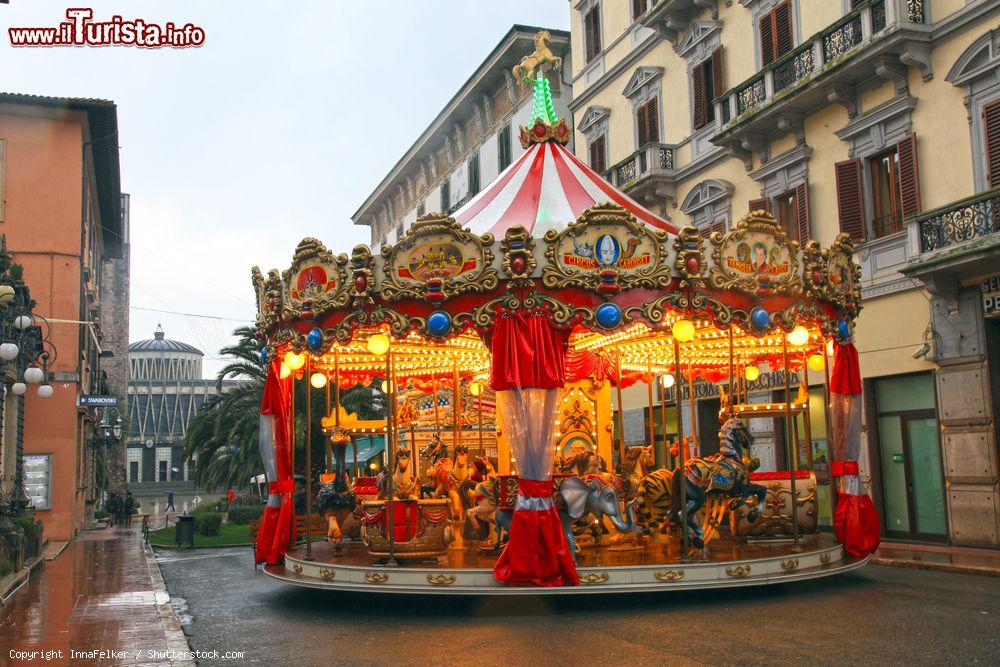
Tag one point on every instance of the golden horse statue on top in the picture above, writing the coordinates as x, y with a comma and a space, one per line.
542, 55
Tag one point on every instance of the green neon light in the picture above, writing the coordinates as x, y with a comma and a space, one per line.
544, 107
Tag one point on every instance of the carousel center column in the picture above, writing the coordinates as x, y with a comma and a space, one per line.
528, 374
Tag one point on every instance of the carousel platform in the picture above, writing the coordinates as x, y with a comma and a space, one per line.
726, 563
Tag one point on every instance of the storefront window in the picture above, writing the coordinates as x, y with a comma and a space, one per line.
38, 480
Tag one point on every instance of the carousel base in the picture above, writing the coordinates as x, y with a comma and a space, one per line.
726, 563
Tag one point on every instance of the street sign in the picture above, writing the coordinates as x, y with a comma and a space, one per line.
98, 401
991, 296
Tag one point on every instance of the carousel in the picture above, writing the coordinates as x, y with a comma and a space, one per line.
499, 339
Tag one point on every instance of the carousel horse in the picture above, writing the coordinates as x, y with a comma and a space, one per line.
435, 449
484, 495
639, 462
447, 477
725, 473
404, 484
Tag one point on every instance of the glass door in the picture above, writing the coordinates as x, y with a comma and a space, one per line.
926, 486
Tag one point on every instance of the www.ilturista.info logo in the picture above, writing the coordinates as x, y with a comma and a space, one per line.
81, 30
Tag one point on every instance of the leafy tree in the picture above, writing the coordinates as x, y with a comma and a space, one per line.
222, 445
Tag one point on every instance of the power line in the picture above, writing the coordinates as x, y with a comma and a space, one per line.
207, 317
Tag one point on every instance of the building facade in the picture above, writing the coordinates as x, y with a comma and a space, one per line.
470, 142
60, 209
165, 392
875, 118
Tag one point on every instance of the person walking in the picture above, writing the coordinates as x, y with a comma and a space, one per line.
170, 501
111, 507
129, 508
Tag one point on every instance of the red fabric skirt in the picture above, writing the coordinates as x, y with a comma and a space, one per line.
856, 524
536, 553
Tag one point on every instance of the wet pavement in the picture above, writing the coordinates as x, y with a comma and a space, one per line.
876, 615
99, 595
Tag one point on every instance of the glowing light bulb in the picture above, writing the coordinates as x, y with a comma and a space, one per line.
829, 347
815, 362
683, 330
476, 388
668, 381
798, 336
318, 380
378, 344
751, 373
295, 361
284, 371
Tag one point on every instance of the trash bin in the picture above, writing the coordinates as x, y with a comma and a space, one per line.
185, 530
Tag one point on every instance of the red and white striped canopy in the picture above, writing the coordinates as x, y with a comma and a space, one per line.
546, 188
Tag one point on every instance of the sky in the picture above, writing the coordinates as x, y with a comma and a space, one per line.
277, 128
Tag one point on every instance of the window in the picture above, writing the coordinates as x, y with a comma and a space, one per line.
503, 146
647, 124
786, 211
421, 208
599, 154
706, 80
638, 8
991, 128
474, 174
445, 196
133, 471
884, 171
162, 473
592, 33
791, 209
38, 480
399, 230
776, 33
891, 193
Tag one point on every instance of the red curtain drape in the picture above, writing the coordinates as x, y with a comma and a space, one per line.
599, 365
275, 533
529, 370
855, 520
527, 352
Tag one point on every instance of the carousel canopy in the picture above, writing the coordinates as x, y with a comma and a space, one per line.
546, 188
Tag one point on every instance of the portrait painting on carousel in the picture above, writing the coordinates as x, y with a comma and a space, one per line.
756, 259
313, 281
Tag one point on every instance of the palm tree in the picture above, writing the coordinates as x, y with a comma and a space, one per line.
221, 444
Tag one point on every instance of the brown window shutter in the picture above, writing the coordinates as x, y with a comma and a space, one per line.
909, 176
652, 119
698, 80
991, 127
717, 80
719, 226
802, 211
767, 39
850, 205
598, 155
592, 31
783, 30
762, 204
641, 126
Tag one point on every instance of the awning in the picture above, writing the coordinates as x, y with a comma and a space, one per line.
368, 447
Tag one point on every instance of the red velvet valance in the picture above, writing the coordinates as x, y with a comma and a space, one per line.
846, 377
528, 352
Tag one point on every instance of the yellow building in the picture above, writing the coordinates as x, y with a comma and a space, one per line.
878, 118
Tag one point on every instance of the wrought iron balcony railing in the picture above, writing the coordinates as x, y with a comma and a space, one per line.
966, 220
819, 53
650, 159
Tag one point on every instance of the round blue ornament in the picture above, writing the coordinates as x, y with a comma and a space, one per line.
438, 323
608, 315
263, 356
315, 339
844, 330
760, 319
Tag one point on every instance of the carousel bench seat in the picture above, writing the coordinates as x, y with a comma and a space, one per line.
420, 528
775, 518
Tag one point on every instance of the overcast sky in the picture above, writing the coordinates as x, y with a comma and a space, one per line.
277, 128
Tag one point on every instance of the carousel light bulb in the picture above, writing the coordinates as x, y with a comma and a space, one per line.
295, 361
476, 388
683, 330
798, 336
668, 381
815, 362
751, 373
284, 371
378, 344
829, 348
318, 380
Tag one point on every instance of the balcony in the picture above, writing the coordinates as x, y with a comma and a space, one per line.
881, 38
957, 242
648, 174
